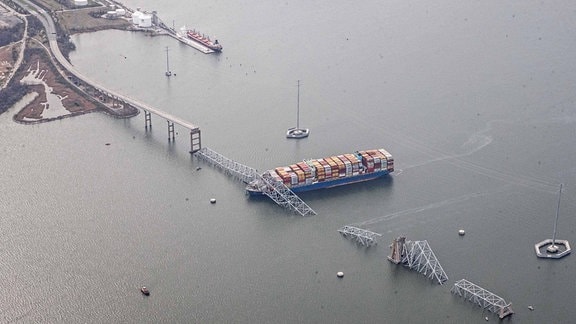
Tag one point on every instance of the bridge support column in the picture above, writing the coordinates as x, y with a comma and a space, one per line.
147, 119
170, 131
195, 140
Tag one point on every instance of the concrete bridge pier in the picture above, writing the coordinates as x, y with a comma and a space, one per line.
195, 140
170, 131
147, 119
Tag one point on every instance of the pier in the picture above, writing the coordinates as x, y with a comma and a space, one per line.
482, 298
361, 236
276, 190
417, 256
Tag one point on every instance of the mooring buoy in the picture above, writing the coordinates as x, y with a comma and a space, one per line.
213, 200
340, 274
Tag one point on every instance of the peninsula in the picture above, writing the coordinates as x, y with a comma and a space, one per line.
31, 79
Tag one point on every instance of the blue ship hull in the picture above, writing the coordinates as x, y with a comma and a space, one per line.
330, 183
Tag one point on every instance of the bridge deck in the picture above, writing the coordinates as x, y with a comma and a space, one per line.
51, 31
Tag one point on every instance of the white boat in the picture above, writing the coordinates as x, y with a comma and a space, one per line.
297, 132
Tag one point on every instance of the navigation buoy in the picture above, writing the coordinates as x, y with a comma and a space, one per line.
213, 200
340, 274
530, 307
461, 232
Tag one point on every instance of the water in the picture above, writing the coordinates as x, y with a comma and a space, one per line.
475, 102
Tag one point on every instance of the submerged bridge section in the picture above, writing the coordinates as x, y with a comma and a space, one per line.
417, 256
277, 191
361, 236
284, 197
482, 298
232, 168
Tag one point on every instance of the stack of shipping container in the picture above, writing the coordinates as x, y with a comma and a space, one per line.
334, 167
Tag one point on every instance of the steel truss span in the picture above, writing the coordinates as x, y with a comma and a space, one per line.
417, 256
482, 298
276, 190
360, 236
236, 170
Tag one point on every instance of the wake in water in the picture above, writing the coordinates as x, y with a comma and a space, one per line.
420, 209
475, 143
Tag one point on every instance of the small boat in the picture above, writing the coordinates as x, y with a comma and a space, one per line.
297, 132
145, 291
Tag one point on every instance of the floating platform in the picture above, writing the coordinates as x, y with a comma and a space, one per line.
552, 249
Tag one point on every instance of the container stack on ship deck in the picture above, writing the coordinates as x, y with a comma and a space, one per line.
332, 171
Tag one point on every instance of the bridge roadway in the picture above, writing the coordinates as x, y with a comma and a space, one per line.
51, 34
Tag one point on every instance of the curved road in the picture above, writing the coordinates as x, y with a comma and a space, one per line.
48, 23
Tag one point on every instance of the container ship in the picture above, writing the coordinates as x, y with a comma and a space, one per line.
204, 40
329, 172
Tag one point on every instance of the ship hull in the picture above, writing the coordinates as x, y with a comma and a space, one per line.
201, 39
329, 183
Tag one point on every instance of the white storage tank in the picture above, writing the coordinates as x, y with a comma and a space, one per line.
145, 20
136, 17
80, 2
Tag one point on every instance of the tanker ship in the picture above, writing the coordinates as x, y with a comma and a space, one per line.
328, 172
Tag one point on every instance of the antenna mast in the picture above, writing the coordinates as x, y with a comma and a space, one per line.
298, 108
168, 72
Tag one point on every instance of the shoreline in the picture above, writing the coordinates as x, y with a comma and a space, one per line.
74, 99
67, 97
